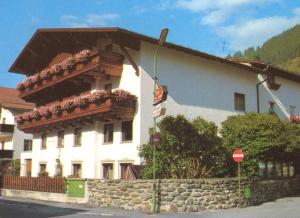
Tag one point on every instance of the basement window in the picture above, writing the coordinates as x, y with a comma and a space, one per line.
76, 170
42, 168
107, 170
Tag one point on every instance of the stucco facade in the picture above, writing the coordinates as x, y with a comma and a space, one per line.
197, 87
12, 140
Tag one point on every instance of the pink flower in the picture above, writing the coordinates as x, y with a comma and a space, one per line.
67, 104
98, 96
121, 95
68, 64
82, 55
28, 82
35, 115
45, 74
44, 111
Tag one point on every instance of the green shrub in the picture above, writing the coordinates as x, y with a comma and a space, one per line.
261, 136
189, 149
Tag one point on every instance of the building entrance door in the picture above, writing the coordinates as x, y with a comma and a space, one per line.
28, 165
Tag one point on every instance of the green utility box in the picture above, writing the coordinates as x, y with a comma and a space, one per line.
76, 188
247, 192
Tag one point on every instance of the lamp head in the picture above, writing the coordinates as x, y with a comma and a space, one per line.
163, 36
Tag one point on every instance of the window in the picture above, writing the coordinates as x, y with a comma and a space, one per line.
76, 170
262, 169
123, 169
271, 169
292, 110
60, 139
44, 141
3, 120
42, 168
127, 131
271, 107
239, 102
108, 87
285, 170
107, 170
27, 145
77, 134
278, 169
291, 169
108, 133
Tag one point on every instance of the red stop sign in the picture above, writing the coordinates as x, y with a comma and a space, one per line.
238, 155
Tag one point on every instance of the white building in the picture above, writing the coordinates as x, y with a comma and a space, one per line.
12, 140
100, 144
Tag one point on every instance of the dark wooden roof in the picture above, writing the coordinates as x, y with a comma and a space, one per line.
268, 68
9, 99
45, 44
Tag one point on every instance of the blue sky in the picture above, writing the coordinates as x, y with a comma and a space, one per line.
218, 27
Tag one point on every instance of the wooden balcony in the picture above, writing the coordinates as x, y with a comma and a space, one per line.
6, 128
108, 110
6, 131
6, 154
79, 77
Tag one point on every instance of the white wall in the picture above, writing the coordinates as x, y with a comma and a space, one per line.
16, 140
200, 87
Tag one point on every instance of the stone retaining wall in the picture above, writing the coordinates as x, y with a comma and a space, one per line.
186, 195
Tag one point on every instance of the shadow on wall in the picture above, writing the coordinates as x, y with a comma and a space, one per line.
283, 109
11, 209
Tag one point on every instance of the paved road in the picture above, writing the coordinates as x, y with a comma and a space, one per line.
14, 208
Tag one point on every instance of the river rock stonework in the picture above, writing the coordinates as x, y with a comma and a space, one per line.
186, 195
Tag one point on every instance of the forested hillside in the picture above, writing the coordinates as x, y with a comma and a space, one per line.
282, 50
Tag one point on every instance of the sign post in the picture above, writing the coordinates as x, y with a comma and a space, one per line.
238, 156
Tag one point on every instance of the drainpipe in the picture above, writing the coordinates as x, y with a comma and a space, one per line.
257, 94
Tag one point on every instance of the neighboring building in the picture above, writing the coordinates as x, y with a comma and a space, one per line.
89, 133
12, 140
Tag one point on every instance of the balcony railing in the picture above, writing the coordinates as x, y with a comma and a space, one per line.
6, 154
79, 111
73, 69
6, 128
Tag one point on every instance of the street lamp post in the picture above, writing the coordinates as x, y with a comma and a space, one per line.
162, 39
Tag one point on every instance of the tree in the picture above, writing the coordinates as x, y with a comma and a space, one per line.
261, 136
189, 149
